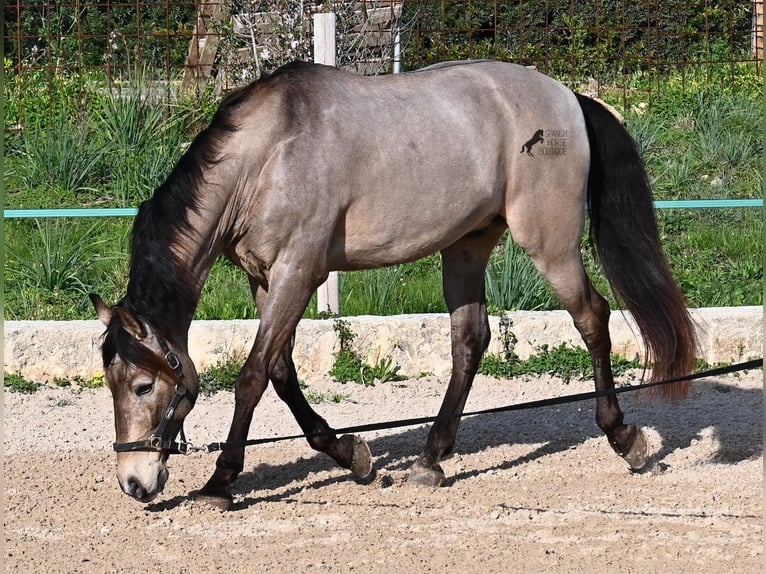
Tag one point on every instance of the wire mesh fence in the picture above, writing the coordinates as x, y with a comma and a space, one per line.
203, 45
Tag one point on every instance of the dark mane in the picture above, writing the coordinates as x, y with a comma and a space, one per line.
160, 287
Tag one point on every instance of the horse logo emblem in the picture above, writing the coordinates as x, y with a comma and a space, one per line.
537, 138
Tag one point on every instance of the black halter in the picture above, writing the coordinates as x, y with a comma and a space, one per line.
161, 439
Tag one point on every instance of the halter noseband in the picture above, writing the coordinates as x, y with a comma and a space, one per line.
161, 439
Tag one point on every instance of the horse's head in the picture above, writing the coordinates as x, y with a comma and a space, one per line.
154, 386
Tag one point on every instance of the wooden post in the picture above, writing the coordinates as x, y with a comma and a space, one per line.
203, 45
324, 38
328, 294
758, 30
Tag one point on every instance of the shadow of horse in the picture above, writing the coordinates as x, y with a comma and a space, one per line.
731, 413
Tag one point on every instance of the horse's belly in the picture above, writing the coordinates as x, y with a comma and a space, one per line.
404, 230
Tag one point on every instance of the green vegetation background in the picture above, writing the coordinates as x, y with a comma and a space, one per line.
86, 142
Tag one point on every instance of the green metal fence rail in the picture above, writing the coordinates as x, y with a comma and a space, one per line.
130, 211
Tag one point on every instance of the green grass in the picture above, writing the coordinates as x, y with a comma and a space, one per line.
563, 361
226, 294
349, 366
709, 147
221, 376
53, 165
513, 283
18, 384
315, 397
721, 254
397, 290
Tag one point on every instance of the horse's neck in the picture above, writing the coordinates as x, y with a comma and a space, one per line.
168, 273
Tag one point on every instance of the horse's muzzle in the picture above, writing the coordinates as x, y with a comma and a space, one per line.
142, 476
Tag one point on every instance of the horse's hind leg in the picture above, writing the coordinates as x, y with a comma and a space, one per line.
463, 267
590, 312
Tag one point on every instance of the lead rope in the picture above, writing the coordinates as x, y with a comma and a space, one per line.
188, 447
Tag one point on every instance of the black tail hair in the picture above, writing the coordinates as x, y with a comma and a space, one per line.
623, 229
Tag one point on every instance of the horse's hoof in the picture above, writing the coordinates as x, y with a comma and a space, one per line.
222, 502
361, 460
636, 456
421, 475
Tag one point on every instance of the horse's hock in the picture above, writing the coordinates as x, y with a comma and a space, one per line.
44, 350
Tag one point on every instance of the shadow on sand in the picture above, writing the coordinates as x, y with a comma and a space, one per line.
732, 414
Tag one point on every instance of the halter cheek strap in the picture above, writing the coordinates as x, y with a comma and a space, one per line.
161, 440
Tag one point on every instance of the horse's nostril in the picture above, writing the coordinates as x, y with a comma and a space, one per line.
135, 488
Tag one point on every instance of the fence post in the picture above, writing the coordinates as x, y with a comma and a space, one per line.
203, 45
757, 40
328, 293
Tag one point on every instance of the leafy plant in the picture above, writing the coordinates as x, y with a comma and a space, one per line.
145, 136
382, 371
645, 130
226, 294
97, 381
349, 366
409, 288
348, 363
221, 376
18, 384
378, 288
315, 397
60, 158
563, 361
130, 119
55, 258
513, 283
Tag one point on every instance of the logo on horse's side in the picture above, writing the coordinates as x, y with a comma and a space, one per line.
537, 138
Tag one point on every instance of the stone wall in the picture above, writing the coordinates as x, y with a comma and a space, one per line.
42, 350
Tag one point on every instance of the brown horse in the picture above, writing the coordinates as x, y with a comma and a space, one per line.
314, 169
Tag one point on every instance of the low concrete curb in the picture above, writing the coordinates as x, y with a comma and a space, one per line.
42, 350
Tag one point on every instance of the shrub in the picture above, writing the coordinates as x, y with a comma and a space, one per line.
18, 384
513, 283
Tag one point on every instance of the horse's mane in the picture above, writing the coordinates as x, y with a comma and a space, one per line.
161, 289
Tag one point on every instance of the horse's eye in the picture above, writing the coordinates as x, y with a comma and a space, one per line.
145, 389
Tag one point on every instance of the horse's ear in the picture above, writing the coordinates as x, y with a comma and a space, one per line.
103, 310
131, 323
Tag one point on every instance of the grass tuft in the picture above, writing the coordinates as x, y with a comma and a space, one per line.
221, 376
18, 384
349, 366
513, 283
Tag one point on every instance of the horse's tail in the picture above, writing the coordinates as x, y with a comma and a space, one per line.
624, 231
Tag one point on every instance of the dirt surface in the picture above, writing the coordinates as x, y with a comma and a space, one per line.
529, 491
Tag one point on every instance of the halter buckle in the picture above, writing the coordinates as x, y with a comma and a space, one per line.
173, 361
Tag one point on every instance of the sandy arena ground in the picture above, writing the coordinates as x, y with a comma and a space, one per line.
530, 491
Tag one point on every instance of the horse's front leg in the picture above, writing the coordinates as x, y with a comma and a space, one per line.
349, 451
251, 383
271, 358
289, 293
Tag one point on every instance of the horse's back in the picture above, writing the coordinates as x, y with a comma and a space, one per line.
442, 146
